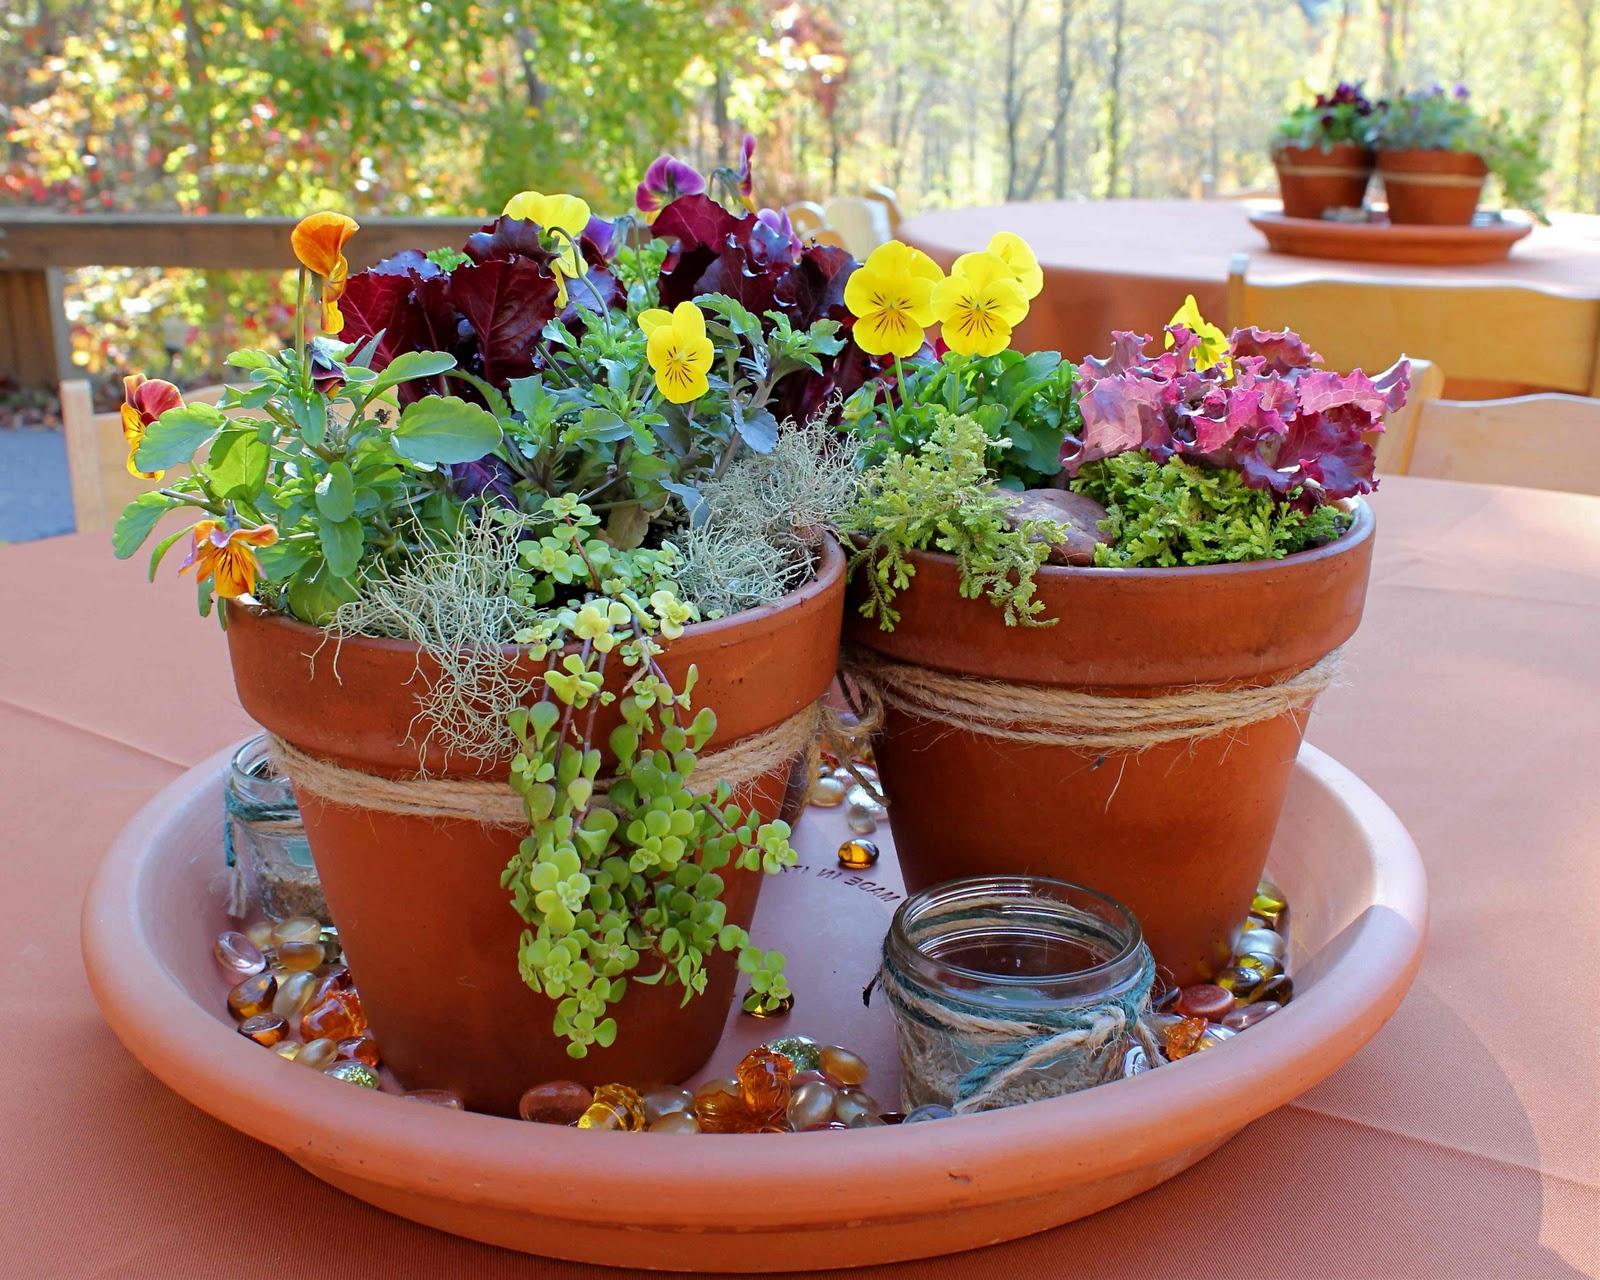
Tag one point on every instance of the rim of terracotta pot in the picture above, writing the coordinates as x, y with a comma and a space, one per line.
825, 575
493, 1161
1440, 159
1138, 628
1336, 151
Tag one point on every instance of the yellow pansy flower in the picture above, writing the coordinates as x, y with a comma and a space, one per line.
891, 297
679, 352
652, 318
978, 304
1213, 349
1016, 253
567, 215
226, 556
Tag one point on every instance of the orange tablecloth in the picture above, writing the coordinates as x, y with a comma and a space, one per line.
1127, 264
1463, 1142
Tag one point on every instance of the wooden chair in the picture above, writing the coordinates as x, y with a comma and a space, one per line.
807, 217
1538, 441
97, 455
1492, 339
890, 202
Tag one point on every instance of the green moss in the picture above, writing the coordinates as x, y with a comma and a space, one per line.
1173, 512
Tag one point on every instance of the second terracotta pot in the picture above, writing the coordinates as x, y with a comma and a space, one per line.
430, 936
1179, 832
1316, 179
1432, 188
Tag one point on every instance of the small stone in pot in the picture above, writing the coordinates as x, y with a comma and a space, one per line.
1078, 515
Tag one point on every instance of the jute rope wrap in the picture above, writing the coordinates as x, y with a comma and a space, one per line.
971, 1056
1404, 178
495, 804
1047, 716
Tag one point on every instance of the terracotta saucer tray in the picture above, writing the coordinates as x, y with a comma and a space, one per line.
1489, 239
828, 1199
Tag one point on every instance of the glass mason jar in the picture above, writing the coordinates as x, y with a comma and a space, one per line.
269, 859
1007, 989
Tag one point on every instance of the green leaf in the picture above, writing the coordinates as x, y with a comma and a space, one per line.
314, 595
311, 416
175, 435
138, 518
282, 559
409, 365
163, 547
249, 360
444, 429
759, 430
336, 494
490, 393
237, 463
341, 544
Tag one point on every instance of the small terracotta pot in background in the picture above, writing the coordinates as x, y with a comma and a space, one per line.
430, 936
1315, 179
1432, 188
1179, 832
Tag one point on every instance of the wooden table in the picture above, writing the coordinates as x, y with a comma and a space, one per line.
1127, 264
1464, 1141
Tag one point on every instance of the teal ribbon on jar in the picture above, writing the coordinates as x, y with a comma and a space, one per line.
1011, 989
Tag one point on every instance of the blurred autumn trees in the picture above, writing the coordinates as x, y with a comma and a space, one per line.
418, 106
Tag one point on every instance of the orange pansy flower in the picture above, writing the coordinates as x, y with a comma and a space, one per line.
224, 555
143, 401
318, 241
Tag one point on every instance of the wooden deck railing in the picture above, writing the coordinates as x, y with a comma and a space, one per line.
36, 247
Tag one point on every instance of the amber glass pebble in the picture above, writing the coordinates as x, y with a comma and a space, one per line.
353, 1072
1266, 966
1183, 1037
435, 1098
843, 1067
675, 1122
264, 1028
615, 1106
1279, 990
287, 1049
858, 854
1239, 980
777, 1010
1205, 1000
810, 1105
296, 929
659, 1103
764, 1075
318, 1053
1247, 1015
555, 1102
852, 1106
252, 996
294, 994
335, 979
338, 1017
260, 934
1214, 1035
299, 956
237, 956
361, 1048
828, 793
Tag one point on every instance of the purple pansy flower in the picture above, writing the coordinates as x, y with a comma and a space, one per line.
665, 180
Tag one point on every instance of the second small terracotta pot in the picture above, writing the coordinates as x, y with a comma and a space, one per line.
429, 933
1179, 832
1432, 188
1316, 179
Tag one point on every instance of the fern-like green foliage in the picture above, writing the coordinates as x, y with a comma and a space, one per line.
942, 498
1173, 512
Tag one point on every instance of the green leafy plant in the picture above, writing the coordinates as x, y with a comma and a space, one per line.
1024, 403
315, 450
1343, 116
1181, 513
941, 497
1436, 120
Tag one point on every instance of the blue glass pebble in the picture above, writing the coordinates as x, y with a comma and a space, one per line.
928, 1111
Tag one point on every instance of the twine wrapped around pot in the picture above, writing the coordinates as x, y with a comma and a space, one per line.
1048, 716
974, 1054
494, 804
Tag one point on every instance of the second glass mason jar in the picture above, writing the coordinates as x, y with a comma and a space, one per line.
1007, 989
268, 856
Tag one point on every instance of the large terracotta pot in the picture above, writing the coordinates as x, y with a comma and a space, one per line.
1179, 833
1432, 188
430, 936
1314, 179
